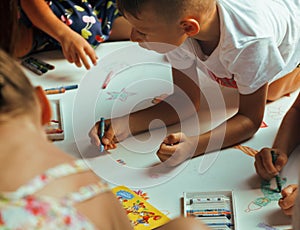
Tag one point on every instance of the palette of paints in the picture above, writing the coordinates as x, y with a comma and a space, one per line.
215, 209
54, 128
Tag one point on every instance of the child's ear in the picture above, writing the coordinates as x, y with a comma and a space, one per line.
190, 26
45, 105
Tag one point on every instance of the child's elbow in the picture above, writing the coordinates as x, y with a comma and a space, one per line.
251, 127
254, 128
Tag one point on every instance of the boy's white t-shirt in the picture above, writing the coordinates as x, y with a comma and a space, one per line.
259, 43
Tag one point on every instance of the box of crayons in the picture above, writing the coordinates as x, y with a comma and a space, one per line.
37, 66
215, 209
55, 129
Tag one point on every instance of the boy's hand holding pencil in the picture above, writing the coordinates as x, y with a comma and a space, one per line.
107, 133
267, 167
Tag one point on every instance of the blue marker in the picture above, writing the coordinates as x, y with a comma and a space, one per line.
101, 133
68, 87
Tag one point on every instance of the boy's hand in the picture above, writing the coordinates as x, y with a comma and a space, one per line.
288, 199
116, 130
264, 165
176, 148
77, 50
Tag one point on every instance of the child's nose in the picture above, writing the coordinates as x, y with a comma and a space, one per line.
135, 36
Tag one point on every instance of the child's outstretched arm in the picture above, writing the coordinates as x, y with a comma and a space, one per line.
184, 102
287, 138
237, 129
75, 48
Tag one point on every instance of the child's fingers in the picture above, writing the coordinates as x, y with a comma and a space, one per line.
268, 163
287, 205
167, 158
110, 146
260, 168
289, 195
162, 157
108, 136
90, 52
83, 58
173, 138
93, 134
77, 60
287, 191
69, 57
72, 55
280, 162
165, 151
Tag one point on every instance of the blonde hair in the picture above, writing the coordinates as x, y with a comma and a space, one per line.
166, 9
17, 95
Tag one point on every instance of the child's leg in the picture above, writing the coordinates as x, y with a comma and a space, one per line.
285, 85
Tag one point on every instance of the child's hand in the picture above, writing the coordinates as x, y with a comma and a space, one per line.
264, 165
76, 50
176, 148
288, 199
116, 130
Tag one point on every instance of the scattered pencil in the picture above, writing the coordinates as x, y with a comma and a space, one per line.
107, 79
61, 89
37, 66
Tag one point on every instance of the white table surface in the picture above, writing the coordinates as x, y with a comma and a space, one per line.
229, 169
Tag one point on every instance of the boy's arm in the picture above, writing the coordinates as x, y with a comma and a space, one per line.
74, 46
240, 127
184, 102
288, 135
287, 138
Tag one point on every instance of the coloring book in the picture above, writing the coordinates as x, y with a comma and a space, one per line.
141, 213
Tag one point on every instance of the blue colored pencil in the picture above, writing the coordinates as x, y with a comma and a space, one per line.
102, 124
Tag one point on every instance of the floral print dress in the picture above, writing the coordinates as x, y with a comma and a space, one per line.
25, 211
91, 19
